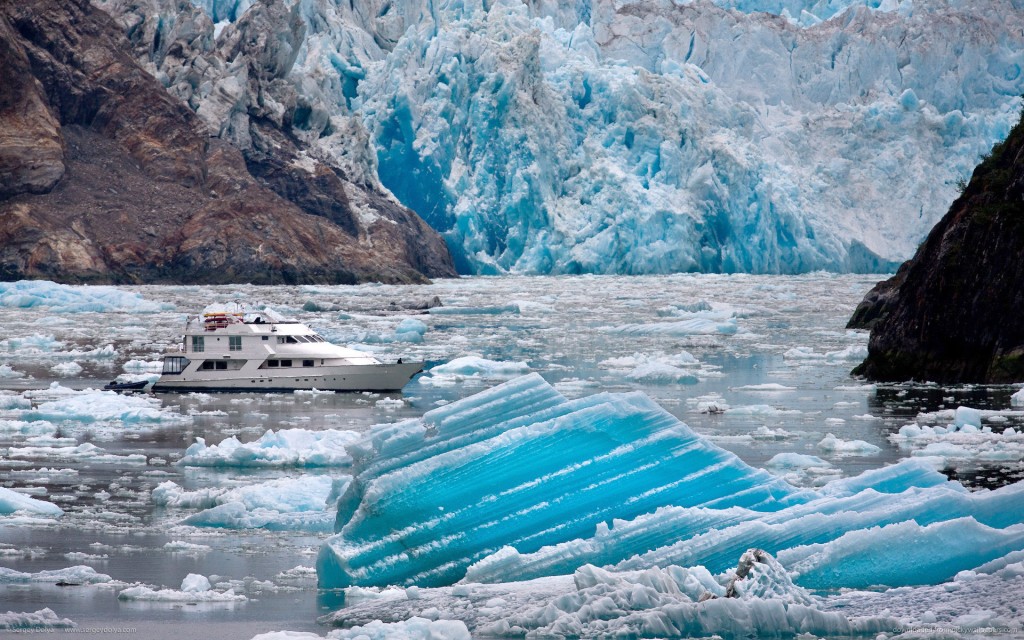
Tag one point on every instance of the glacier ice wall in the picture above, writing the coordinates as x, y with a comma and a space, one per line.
646, 137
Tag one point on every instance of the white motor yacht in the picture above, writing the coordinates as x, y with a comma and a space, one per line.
261, 351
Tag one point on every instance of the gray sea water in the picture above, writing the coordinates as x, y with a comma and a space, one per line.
773, 349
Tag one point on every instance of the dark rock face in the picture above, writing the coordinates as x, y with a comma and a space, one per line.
953, 312
105, 176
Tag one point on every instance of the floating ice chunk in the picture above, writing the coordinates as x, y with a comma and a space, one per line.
762, 410
473, 365
553, 474
91, 406
85, 452
42, 619
801, 469
895, 478
413, 629
147, 594
299, 504
313, 392
7, 373
1017, 399
768, 386
967, 416
966, 442
180, 546
80, 574
66, 369
835, 445
659, 373
410, 330
679, 602
284, 448
64, 298
10, 401
194, 583
13, 501
34, 345
848, 354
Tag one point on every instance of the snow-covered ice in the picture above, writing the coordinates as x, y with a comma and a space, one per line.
283, 448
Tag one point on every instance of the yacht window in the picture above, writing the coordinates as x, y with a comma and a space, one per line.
265, 338
175, 364
307, 363
292, 340
281, 340
197, 344
207, 365
234, 343
221, 364
273, 363
286, 363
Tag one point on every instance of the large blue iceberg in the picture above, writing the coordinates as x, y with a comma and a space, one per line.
518, 482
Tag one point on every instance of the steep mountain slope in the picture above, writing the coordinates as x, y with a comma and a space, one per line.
105, 176
951, 313
627, 136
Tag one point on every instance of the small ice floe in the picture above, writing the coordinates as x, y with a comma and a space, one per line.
194, 588
848, 354
700, 323
285, 504
768, 386
77, 575
8, 373
964, 438
85, 452
831, 444
762, 410
66, 369
283, 448
25, 622
180, 546
472, 368
15, 502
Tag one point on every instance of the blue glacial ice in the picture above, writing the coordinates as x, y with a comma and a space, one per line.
643, 137
12, 501
415, 512
613, 480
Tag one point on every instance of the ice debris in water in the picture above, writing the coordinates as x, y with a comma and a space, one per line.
63, 298
42, 619
283, 448
964, 438
415, 628
299, 504
194, 588
612, 479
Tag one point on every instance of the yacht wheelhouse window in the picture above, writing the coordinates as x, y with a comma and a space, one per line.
273, 363
234, 343
198, 344
175, 364
307, 363
286, 363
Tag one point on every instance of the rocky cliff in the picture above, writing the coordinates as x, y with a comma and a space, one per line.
107, 176
953, 312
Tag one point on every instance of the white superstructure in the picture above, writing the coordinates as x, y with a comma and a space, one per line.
226, 351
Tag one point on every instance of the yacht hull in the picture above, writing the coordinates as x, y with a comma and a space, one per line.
377, 377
